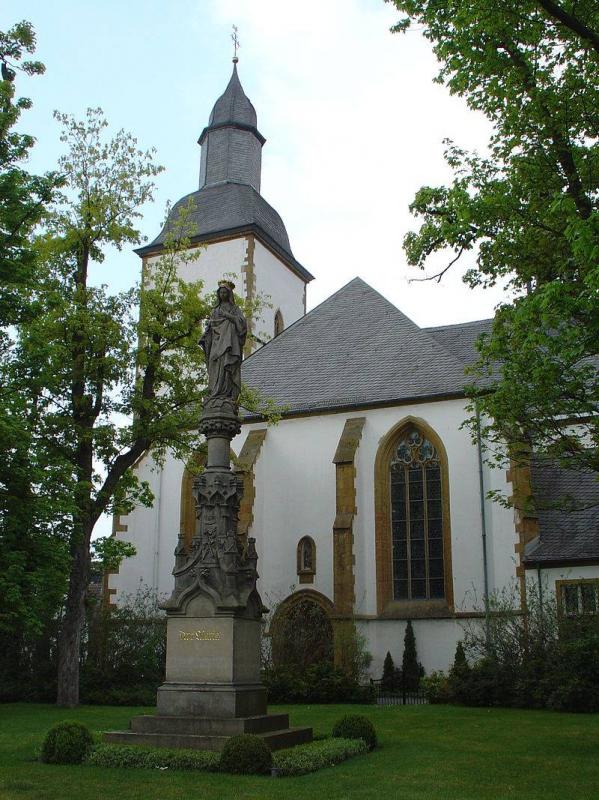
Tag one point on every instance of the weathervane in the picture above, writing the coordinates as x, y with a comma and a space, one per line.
236, 44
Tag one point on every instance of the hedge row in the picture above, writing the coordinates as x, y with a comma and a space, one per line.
296, 761
119, 755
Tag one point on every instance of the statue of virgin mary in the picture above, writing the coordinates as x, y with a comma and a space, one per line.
223, 342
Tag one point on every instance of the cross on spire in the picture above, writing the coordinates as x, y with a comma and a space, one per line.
236, 44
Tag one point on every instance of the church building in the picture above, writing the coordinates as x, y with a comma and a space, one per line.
368, 498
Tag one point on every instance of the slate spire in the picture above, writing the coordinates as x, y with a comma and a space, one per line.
231, 143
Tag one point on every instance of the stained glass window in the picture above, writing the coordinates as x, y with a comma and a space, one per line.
417, 520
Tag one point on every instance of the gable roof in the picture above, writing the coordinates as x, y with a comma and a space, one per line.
354, 349
564, 535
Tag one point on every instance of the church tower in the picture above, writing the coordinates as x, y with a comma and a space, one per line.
239, 231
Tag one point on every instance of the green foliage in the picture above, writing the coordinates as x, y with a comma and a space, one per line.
108, 553
388, 678
436, 688
351, 647
123, 661
534, 660
66, 743
33, 558
411, 669
355, 726
116, 755
318, 683
23, 197
526, 215
311, 757
298, 760
246, 754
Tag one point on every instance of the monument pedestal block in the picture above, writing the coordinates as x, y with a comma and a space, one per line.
212, 689
202, 733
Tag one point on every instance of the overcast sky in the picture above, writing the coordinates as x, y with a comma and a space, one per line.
353, 121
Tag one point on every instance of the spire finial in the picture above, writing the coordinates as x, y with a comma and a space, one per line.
236, 44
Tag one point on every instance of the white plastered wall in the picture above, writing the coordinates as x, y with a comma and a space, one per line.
280, 287
295, 497
284, 287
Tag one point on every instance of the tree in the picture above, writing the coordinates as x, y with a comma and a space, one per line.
32, 562
105, 386
388, 676
526, 214
411, 669
23, 197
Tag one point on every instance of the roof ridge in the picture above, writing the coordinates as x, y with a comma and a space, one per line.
456, 324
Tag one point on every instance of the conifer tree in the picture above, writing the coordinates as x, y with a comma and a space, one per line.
388, 677
412, 671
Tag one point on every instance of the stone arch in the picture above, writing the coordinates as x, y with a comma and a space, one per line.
386, 604
301, 630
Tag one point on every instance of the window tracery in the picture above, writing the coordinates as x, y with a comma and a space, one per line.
416, 519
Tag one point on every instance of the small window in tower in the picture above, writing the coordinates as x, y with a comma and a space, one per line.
306, 559
279, 324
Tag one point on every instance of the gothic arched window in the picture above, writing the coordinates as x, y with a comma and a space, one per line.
416, 519
279, 324
306, 559
413, 539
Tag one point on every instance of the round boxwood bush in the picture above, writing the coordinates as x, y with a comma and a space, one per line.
355, 726
66, 743
246, 754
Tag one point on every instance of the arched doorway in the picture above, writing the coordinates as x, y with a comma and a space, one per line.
301, 631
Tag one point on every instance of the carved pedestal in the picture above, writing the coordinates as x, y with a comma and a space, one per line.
213, 688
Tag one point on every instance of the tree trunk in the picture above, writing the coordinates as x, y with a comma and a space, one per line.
69, 638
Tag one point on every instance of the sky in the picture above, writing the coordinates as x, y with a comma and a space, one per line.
353, 121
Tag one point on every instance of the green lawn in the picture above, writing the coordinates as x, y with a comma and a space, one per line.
426, 752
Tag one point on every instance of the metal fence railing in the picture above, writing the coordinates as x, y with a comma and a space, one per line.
398, 696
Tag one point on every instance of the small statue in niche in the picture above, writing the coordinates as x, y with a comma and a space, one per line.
223, 342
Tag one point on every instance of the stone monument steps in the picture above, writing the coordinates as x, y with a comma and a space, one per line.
201, 726
276, 740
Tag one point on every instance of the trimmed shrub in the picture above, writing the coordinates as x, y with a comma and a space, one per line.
246, 754
355, 726
316, 755
296, 761
66, 743
123, 755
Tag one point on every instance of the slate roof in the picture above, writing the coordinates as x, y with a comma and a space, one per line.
356, 349
233, 105
564, 536
233, 207
460, 339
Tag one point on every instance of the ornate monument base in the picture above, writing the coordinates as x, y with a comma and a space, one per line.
213, 689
